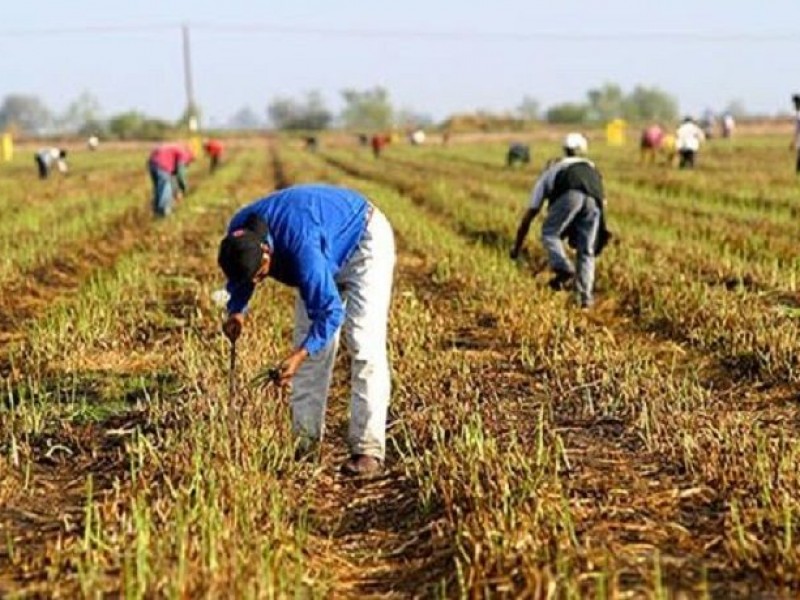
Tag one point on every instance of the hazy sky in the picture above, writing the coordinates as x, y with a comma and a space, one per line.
433, 74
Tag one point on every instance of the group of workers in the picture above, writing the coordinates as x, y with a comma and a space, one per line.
654, 142
166, 165
685, 143
378, 141
337, 249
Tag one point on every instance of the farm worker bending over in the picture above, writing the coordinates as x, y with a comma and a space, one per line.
796, 140
45, 159
518, 153
378, 142
668, 148
575, 190
166, 161
213, 149
652, 137
337, 249
687, 140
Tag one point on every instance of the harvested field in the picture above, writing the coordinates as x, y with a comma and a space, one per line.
646, 448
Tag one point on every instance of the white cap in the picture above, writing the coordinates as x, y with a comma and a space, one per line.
576, 142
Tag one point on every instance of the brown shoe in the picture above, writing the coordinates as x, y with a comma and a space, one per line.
361, 465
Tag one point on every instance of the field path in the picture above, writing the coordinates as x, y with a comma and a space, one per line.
369, 536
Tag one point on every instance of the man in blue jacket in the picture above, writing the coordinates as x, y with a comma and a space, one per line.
322, 239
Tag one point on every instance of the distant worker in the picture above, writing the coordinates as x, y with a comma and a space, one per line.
728, 125
338, 250
378, 143
417, 137
708, 123
668, 148
47, 157
311, 143
518, 153
574, 189
92, 143
796, 141
688, 138
446, 137
650, 143
167, 161
214, 150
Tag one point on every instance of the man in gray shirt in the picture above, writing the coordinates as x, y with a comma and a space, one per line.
575, 190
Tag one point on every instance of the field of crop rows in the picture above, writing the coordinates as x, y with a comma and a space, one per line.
648, 447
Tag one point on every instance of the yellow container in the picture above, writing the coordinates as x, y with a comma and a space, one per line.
195, 145
7, 147
615, 132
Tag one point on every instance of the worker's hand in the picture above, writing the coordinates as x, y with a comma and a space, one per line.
178, 196
291, 364
233, 326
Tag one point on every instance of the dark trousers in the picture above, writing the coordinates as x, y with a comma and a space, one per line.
687, 159
43, 170
797, 164
213, 163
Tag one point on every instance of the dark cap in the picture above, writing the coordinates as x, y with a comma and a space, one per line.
240, 251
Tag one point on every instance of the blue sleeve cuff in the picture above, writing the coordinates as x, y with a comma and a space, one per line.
312, 346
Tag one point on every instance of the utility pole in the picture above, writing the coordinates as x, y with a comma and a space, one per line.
191, 106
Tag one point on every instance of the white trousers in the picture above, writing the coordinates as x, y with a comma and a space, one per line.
365, 282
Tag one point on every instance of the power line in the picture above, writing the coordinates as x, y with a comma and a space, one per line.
98, 29
430, 35
553, 36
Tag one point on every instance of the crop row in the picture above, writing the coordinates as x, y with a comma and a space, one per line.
627, 413
655, 282
533, 448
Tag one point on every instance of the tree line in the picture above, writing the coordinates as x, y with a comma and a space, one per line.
368, 109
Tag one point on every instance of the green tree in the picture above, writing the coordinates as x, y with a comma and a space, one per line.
650, 104
307, 114
317, 114
125, 125
136, 125
568, 113
606, 102
27, 112
367, 109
